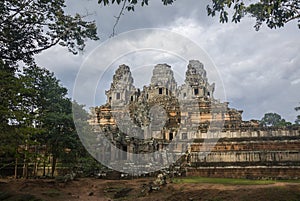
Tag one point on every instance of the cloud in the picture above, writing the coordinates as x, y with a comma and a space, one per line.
259, 70
143, 48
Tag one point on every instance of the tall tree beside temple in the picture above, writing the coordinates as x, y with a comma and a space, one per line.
10, 113
51, 112
36, 114
28, 27
298, 117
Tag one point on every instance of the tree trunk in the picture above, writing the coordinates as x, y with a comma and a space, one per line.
35, 168
25, 169
44, 167
53, 165
16, 168
25, 165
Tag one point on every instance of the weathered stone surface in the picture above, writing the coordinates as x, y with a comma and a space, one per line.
196, 83
249, 172
147, 120
163, 77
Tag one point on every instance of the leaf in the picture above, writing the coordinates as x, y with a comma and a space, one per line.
47, 26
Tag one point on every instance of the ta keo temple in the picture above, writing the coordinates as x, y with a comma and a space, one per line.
205, 136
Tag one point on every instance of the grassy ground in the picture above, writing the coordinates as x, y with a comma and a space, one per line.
183, 189
224, 181
290, 181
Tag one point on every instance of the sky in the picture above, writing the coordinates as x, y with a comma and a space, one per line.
255, 71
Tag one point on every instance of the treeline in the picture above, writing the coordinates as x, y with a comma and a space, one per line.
37, 126
275, 120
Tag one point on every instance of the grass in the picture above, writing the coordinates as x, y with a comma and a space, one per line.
289, 181
225, 181
52, 193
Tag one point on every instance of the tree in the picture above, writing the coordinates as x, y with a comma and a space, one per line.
84, 161
53, 115
36, 114
273, 120
10, 113
34, 108
273, 13
17, 125
298, 117
9, 86
51, 111
28, 27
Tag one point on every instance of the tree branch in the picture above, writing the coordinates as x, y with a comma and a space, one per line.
35, 51
118, 19
292, 18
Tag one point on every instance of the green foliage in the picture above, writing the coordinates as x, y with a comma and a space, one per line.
273, 120
273, 13
298, 117
132, 3
28, 27
35, 112
51, 111
34, 109
88, 166
10, 111
80, 117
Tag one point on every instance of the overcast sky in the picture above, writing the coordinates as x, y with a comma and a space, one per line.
259, 71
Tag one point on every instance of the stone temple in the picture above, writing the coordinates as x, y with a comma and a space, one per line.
211, 138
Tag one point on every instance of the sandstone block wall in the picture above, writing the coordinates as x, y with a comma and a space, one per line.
147, 120
253, 154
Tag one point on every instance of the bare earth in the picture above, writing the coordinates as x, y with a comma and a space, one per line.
89, 189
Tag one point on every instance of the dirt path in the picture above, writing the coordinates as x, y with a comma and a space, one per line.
89, 189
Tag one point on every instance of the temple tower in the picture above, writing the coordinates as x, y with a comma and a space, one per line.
121, 90
196, 83
162, 82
